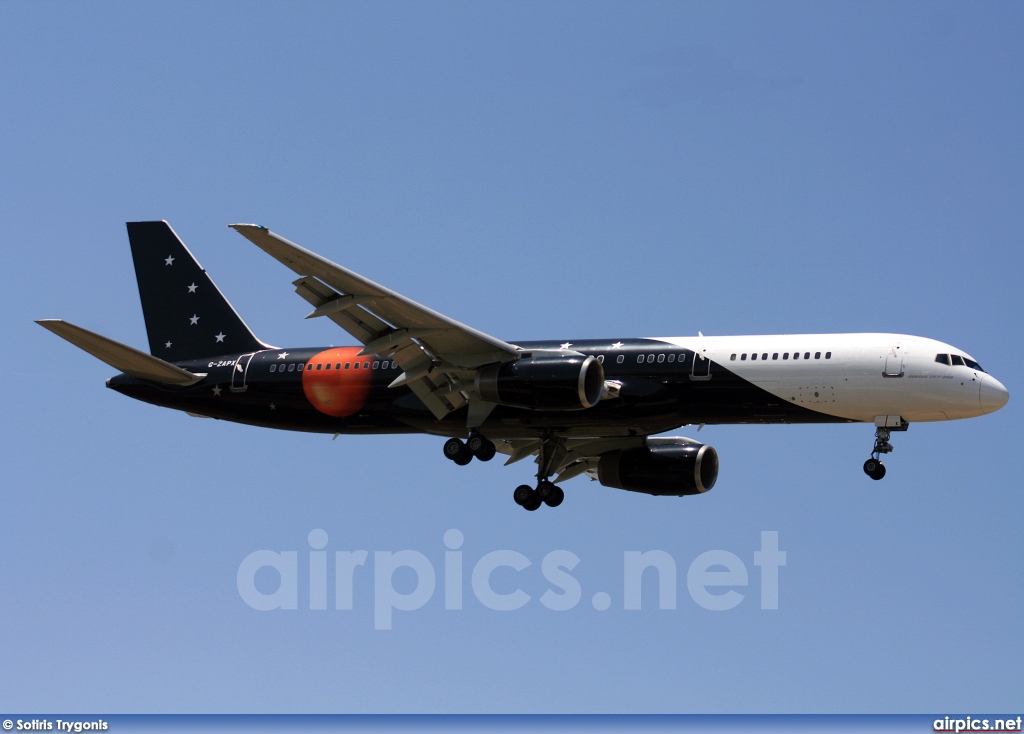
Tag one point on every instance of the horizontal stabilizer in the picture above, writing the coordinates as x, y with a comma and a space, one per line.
121, 356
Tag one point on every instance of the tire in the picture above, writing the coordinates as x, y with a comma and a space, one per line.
522, 494
871, 466
453, 448
879, 472
465, 456
476, 442
555, 498
534, 502
486, 452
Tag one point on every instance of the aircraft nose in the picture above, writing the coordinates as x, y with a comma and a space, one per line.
993, 395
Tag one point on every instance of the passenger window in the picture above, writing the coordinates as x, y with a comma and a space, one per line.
942, 359
600, 358
661, 358
775, 356
807, 355
817, 355
640, 359
376, 365
355, 365
347, 365
733, 358
366, 365
620, 359
650, 358
337, 366
743, 357
291, 367
328, 366
273, 368
764, 356
672, 357
796, 355
828, 355
785, 355
958, 361
754, 355
309, 367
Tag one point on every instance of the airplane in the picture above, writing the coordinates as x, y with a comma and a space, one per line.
579, 406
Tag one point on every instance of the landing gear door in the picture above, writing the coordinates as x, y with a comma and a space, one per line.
238, 374
894, 361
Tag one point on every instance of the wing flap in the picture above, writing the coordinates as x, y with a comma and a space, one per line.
120, 356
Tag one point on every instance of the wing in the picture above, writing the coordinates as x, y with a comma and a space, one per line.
438, 355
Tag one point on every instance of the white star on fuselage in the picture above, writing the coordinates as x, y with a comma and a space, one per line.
192, 288
216, 390
566, 345
282, 355
169, 260
167, 345
194, 320
617, 345
220, 337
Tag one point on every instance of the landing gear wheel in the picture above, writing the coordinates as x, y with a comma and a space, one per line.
522, 494
534, 502
554, 499
482, 448
527, 497
874, 469
464, 458
453, 448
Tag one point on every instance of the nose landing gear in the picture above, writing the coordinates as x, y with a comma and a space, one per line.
874, 467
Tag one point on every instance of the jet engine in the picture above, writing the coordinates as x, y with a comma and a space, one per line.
570, 382
665, 466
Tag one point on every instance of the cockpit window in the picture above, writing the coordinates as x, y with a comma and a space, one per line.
973, 365
942, 358
958, 361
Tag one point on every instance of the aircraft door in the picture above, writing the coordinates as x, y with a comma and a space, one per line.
239, 373
701, 369
894, 361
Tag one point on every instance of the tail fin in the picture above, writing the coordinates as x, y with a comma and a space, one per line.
187, 317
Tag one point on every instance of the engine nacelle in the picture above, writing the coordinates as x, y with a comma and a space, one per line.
666, 466
572, 382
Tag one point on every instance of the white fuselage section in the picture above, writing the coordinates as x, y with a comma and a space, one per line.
858, 377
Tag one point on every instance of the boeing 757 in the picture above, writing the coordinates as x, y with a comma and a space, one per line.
577, 406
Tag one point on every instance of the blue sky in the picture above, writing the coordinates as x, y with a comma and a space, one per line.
565, 170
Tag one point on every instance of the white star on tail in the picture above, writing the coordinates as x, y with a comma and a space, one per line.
167, 345
216, 390
169, 260
192, 288
220, 336
194, 320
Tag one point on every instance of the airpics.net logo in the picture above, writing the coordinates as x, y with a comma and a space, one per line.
715, 580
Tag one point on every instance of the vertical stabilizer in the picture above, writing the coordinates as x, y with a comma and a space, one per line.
186, 315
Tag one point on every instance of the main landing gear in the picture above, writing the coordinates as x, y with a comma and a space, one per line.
552, 451
874, 467
463, 452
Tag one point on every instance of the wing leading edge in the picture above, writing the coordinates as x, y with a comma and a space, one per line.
438, 355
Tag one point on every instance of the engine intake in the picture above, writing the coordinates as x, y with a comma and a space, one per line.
572, 382
676, 466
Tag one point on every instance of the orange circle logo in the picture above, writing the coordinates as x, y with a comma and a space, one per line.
338, 382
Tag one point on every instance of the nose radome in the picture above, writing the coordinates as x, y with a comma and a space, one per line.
993, 395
